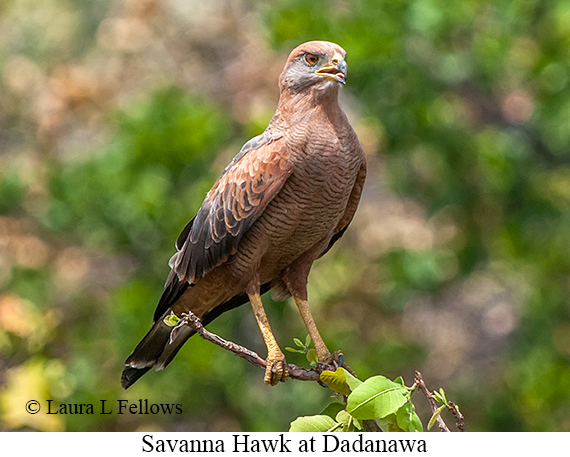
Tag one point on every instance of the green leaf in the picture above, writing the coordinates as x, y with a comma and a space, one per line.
332, 409
290, 349
308, 341
171, 320
299, 343
352, 382
336, 380
314, 424
408, 420
312, 356
343, 417
437, 397
389, 423
376, 398
399, 380
349, 423
434, 417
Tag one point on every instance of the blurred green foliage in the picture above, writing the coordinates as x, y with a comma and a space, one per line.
457, 264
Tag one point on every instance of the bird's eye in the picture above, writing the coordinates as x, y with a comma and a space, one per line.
311, 59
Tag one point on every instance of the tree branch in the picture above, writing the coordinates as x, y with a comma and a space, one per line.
295, 372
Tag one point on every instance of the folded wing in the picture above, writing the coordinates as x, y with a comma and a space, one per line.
236, 200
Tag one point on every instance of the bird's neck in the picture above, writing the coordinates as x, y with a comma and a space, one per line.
298, 107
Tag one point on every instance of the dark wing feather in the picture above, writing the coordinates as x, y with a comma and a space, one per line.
173, 289
184, 234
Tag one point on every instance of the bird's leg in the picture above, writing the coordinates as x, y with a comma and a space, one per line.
323, 353
276, 369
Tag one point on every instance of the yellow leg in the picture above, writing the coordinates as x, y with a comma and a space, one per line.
276, 369
323, 353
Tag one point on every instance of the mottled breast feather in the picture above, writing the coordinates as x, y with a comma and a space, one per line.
236, 200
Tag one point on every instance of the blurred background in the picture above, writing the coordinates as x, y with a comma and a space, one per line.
116, 116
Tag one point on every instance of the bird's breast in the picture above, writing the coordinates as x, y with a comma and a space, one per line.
311, 203
305, 214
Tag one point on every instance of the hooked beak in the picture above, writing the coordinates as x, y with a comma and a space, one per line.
336, 70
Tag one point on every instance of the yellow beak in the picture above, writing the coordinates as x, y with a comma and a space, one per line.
336, 70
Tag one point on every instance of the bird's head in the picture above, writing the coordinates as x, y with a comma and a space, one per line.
316, 64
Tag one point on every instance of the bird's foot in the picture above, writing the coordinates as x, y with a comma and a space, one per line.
337, 359
276, 370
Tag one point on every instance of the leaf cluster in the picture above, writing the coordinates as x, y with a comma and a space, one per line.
304, 348
375, 399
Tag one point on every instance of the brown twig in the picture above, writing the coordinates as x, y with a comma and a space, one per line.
459, 419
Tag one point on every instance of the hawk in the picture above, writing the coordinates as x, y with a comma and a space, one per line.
282, 202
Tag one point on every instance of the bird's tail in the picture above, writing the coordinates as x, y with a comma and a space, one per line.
155, 350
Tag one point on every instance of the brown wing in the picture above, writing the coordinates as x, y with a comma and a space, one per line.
235, 201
